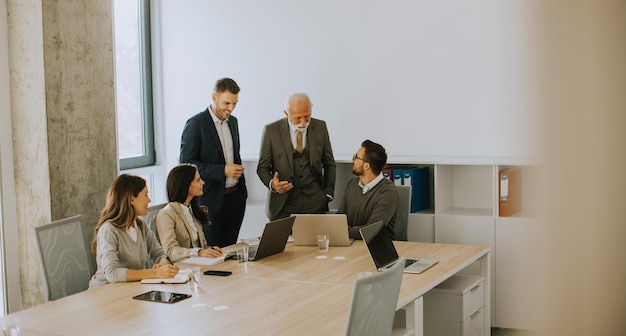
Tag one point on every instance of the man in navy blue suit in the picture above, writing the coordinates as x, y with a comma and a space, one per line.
210, 140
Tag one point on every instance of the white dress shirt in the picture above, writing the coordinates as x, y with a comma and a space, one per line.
372, 183
226, 139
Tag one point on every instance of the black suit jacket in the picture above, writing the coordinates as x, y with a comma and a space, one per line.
201, 146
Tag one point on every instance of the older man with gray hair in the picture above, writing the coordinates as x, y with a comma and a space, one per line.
296, 161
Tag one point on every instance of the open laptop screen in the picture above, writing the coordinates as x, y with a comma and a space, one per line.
273, 239
379, 244
308, 226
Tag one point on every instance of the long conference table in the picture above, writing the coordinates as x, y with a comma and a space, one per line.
292, 293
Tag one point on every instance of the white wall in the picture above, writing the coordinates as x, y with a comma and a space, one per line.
434, 82
442, 79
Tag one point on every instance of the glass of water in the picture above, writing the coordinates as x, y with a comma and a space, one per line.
194, 278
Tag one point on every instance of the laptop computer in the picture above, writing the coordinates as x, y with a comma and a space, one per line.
308, 226
273, 240
384, 254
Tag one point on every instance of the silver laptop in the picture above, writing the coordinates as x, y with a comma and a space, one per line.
273, 240
380, 246
308, 226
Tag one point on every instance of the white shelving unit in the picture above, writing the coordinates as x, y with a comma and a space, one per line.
517, 238
466, 190
464, 210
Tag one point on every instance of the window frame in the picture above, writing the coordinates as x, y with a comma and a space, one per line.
147, 112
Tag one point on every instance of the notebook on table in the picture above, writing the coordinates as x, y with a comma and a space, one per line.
206, 261
181, 277
273, 240
380, 247
308, 226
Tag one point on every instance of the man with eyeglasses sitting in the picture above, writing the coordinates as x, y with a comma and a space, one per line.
369, 197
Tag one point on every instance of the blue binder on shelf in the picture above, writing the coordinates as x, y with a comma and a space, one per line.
397, 174
417, 178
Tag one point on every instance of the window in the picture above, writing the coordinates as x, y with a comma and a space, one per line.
133, 83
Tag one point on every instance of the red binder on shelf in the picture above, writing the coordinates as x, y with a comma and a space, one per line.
510, 200
387, 173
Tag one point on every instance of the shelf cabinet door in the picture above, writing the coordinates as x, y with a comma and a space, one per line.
518, 241
472, 230
421, 228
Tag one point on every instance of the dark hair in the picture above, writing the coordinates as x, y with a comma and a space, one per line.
119, 210
226, 84
374, 154
178, 181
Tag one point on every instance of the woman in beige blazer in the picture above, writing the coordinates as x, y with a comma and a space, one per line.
179, 223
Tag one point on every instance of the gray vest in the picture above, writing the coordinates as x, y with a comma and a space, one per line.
303, 181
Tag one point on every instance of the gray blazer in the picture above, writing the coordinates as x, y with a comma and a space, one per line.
174, 234
276, 154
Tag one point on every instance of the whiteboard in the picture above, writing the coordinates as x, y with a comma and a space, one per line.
424, 79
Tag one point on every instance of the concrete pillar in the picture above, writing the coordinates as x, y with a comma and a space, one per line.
30, 147
63, 114
80, 105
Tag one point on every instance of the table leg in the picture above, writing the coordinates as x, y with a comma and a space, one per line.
485, 272
415, 316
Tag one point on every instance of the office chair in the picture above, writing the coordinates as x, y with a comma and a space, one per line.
150, 218
402, 212
374, 300
64, 257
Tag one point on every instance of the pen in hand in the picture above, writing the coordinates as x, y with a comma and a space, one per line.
166, 268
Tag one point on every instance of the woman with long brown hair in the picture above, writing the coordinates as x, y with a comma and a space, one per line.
179, 223
125, 247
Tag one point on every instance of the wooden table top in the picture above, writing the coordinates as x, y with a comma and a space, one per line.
342, 264
278, 295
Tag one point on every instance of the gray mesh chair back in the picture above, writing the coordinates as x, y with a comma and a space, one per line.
402, 213
150, 218
374, 300
64, 257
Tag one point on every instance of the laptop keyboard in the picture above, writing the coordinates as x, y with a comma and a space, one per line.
409, 262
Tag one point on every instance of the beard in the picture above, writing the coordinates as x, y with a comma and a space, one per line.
302, 127
356, 171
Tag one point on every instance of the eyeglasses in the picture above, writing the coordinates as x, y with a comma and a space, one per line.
354, 157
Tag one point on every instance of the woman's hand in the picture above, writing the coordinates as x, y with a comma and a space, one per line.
211, 252
166, 271
163, 261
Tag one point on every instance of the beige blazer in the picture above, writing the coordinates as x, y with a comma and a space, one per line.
174, 234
